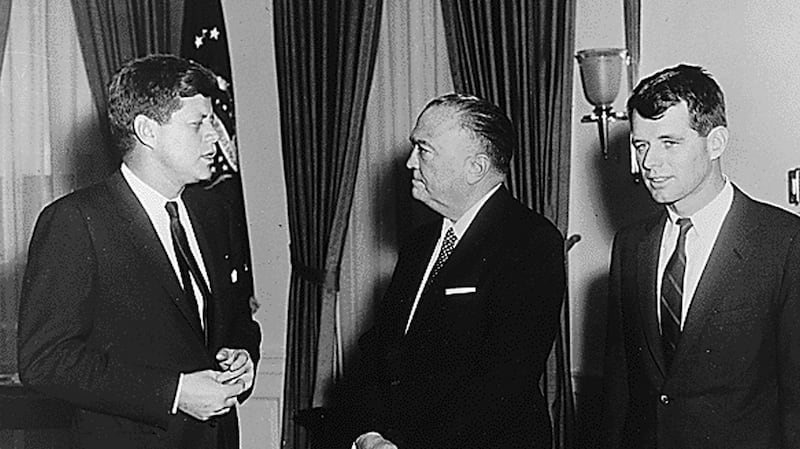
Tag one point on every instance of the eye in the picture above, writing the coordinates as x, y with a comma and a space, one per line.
640, 147
669, 144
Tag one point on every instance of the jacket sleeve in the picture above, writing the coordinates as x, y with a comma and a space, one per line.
56, 317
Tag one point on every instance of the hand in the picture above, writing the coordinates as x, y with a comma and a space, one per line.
373, 440
237, 367
202, 396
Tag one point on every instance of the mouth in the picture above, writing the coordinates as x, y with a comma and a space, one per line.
657, 180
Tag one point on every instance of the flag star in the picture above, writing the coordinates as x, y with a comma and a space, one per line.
198, 41
214, 33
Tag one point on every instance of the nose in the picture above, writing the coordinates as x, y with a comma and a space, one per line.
212, 134
652, 157
413, 159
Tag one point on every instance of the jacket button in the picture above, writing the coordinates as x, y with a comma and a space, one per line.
664, 399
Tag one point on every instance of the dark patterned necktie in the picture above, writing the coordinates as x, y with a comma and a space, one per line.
448, 244
188, 265
672, 293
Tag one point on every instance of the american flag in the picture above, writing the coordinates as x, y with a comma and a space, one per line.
205, 41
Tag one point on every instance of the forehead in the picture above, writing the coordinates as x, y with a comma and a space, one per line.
435, 122
675, 120
197, 105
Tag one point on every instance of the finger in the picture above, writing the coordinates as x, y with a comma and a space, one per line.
221, 411
223, 354
228, 377
232, 389
230, 402
239, 360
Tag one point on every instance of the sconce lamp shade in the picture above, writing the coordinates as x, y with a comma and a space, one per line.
601, 73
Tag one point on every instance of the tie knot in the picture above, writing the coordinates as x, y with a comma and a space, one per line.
172, 209
685, 224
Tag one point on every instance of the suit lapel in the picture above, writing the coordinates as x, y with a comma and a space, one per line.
724, 271
143, 237
648, 251
201, 226
468, 249
418, 263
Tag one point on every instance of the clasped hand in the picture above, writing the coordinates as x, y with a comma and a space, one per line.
208, 393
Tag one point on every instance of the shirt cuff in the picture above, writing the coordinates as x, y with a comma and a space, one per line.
174, 410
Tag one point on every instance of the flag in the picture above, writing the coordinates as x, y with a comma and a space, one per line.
205, 41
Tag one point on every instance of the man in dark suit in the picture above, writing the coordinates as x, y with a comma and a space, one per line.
703, 346
462, 338
127, 309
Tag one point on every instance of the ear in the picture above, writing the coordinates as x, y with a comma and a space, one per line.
145, 129
479, 166
717, 142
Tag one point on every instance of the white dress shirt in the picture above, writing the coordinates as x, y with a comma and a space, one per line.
700, 240
459, 228
154, 205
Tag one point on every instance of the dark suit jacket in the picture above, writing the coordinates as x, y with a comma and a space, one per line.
466, 374
735, 378
104, 325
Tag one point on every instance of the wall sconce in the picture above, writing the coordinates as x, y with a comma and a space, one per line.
601, 72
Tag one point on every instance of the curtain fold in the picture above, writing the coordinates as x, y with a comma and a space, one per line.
113, 31
51, 142
5, 18
633, 36
325, 54
519, 56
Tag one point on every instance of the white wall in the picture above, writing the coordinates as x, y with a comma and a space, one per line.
750, 47
250, 33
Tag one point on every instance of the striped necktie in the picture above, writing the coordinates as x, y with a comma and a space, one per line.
672, 293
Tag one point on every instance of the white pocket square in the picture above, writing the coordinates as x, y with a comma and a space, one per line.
458, 290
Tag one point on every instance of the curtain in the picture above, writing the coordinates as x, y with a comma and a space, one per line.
407, 75
113, 31
325, 53
519, 55
5, 15
51, 141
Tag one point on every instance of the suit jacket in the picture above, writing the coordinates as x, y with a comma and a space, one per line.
104, 324
466, 374
735, 378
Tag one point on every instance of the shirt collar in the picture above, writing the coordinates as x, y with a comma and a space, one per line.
148, 196
460, 227
708, 219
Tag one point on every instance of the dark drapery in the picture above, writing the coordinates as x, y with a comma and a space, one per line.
325, 54
113, 31
5, 18
519, 55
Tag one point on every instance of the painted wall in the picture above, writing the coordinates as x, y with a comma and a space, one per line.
750, 48
250, 33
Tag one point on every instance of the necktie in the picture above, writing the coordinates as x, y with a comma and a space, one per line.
187, 264
672, 293
448, 244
